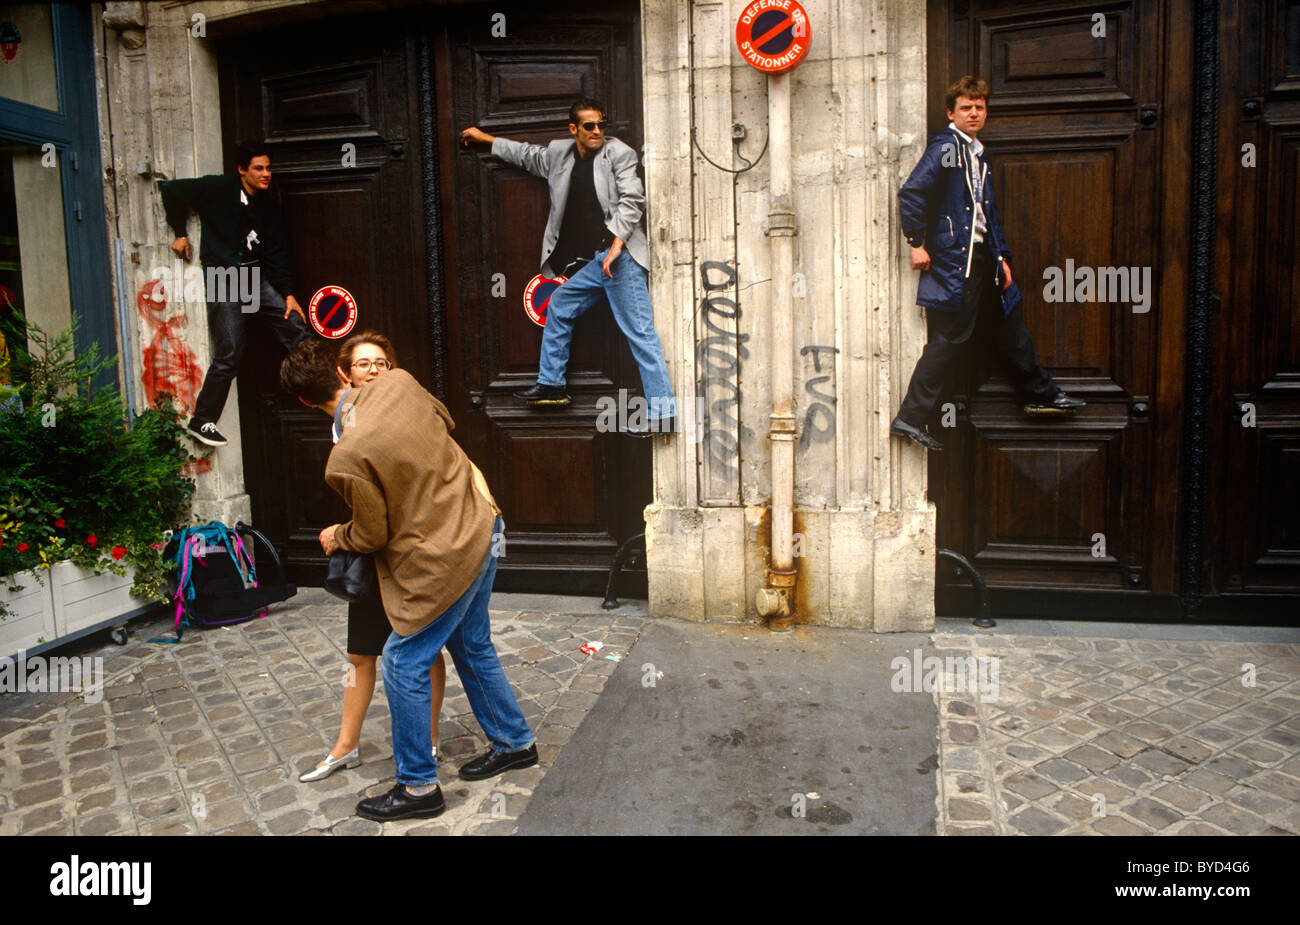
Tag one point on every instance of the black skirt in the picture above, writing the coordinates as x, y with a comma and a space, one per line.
368, 628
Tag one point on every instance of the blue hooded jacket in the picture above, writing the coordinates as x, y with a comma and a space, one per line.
935, 208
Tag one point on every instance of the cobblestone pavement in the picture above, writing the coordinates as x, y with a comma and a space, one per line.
1121, 737
209, 736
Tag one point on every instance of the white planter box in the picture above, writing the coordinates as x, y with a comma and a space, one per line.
31, 619
66, 601
82, 598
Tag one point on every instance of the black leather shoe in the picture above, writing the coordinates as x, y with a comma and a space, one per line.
1060, 405
398, 804
545, 395
653, 428
900, 428
494, 762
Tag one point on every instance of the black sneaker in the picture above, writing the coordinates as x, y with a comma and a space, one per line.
495, 762
900, 428
545, 396
398, 804
206, 433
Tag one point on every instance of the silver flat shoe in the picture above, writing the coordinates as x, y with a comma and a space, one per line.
332, 764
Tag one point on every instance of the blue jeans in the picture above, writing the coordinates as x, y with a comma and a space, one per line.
464, 629
629, 299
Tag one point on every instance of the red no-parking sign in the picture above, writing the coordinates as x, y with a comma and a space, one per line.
332, 312
773, 35
537, 295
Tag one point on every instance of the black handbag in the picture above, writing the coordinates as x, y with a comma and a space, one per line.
352, 576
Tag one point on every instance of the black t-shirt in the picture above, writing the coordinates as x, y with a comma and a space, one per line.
583, 231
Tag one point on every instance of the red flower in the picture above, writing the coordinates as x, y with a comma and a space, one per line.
92, 540
119, 552
60, 522
22, 547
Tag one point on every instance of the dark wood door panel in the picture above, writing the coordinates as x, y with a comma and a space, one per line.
1051, 57
1081, 178
570, 494
354, 220
1254, 513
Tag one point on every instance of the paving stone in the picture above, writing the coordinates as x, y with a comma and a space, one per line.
1091, 757
99, 799
1253, 800
1196, 828
108, 823
1233, 819
1156, 815
1188, 749
290, 823
276, 798
967, 810
38, 793
254, 760
1061, 771
355, 825
38, 773
1275, 782
1230, 766
1259, 753
173, 826
1182, 798
1215, 784
1160, 762
1117, 825
160, 806
969, 830
1073, 807
1028, 785
1034, 821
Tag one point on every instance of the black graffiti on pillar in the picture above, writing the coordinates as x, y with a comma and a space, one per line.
718, 358
819, 420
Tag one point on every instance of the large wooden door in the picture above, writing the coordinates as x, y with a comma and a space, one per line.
1088, 136
1253, 523
570, 494
336, 104
418, 234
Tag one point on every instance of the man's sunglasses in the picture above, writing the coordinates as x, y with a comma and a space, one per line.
592, 126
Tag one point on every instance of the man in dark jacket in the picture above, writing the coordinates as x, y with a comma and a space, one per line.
245, 257
948, 203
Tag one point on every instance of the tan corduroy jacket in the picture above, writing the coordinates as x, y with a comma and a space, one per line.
417, 501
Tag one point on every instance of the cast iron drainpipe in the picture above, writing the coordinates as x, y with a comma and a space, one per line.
776, 600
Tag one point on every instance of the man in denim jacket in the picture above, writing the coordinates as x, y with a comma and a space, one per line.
594, 238
947, 203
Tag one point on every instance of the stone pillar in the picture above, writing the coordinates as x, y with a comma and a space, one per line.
864, 530
159, 93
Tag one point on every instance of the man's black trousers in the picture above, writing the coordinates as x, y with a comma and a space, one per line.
227, 333
957, 337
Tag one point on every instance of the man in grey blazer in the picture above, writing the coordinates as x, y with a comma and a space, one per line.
593, 237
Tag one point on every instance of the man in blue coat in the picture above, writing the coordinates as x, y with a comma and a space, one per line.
966, 286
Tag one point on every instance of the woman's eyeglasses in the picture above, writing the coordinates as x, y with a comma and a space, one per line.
364, 365
591, 126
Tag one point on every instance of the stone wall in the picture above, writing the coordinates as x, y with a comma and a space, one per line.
865, 549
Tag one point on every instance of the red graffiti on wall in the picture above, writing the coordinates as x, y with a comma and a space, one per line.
169, 364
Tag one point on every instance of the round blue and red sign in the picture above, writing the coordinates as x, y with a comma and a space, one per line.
537, 295
773, 35
332, 312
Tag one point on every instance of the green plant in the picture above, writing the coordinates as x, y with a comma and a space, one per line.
78, 481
